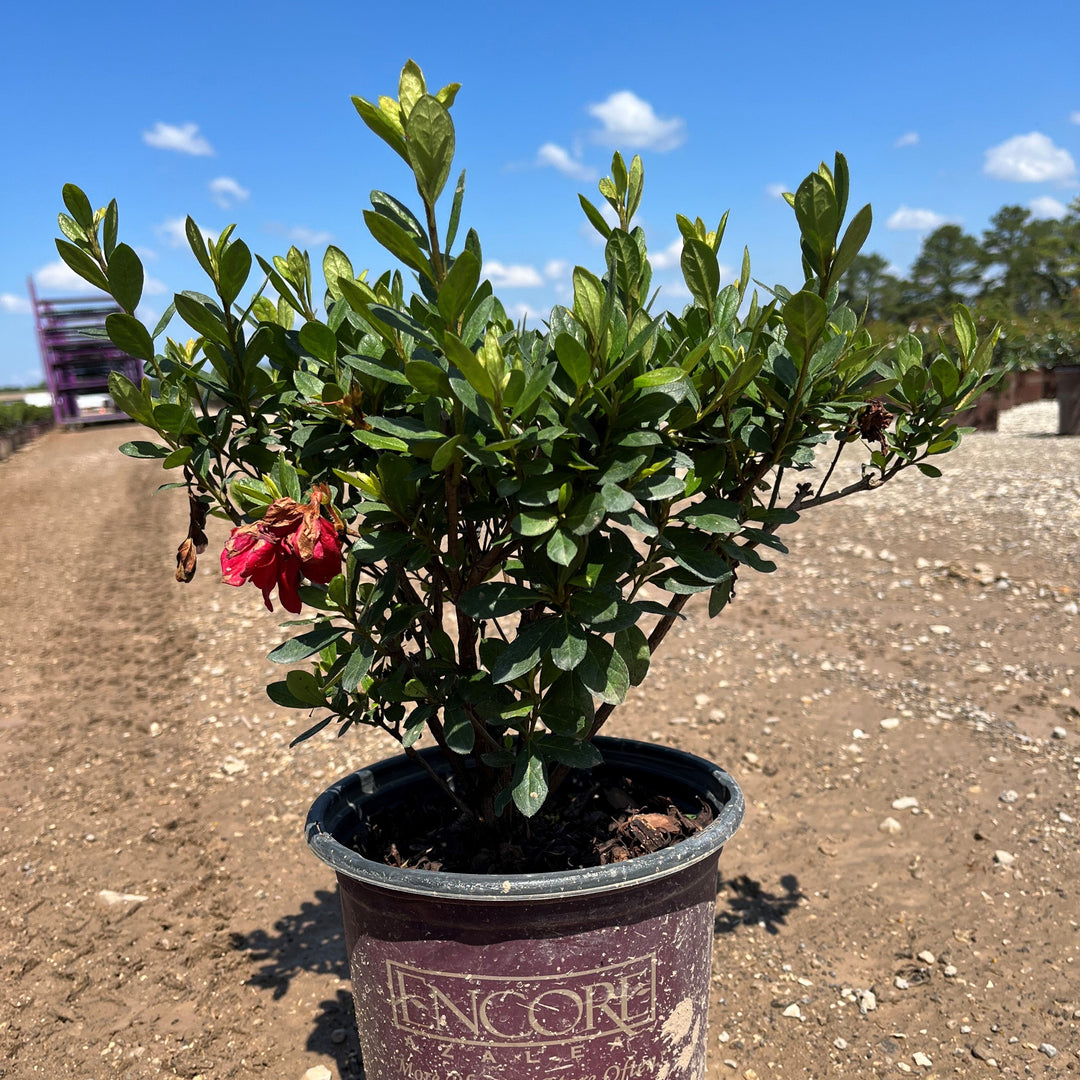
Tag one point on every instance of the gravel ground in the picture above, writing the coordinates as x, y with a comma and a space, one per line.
899, 701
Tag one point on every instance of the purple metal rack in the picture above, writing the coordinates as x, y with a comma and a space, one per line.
77, 364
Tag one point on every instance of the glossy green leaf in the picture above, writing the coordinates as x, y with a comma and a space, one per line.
468, 363
126, 277
130, 336
319, 340
76, 201
300, 648
633, 646
398, 242
430, 146
573, 359
459, 286
133, 400
589, 295
303, 686
83, 265
804, 316
530, 788
700, 271
233, 271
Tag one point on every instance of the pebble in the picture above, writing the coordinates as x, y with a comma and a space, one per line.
338, 1035
108, 896
155, 729
1004, 858
318, 1072
927, 957
922, 1060
949, 971
793, 1011
890, 825
232, 766
1048, 1049
867, 1000
890, 723
1071, 608
901, 983
940, 629
1059, 733
983, 1053
1009, 796
906, 802
1065, 819
840, 1043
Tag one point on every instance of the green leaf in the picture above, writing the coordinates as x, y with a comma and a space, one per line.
203, 316
83, 265
233, 270
319, 340
818, 217
589, 296
562, 549
357, 666
398, 242
126, 277
447, 453
141, 449
305, 687
326, 721
525, 651
458, 731
129, 335
700, 271
459, 286
804, 315
280, 694
411, 86
854, 237
428, 378
530, 787
198, 245
928, 470
604, 672
712, 515
455, 206
496, 598
335, 265
534, 522
964, 326
573, 359
468, 363
577, 753
378, 122
429, 135
633, 646
568, 653
300, 648
76, 201
129, 398
594, 215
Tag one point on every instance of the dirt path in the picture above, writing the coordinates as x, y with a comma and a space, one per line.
905, 650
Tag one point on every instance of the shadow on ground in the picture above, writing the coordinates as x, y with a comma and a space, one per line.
748, 902
311, 940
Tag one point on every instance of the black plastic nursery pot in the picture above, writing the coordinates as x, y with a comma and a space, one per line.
1068, 396
594, 974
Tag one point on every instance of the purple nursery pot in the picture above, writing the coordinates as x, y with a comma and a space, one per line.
594, 974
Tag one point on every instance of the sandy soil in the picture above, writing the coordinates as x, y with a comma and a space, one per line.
900, 702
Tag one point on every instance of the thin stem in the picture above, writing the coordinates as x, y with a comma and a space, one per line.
828, 475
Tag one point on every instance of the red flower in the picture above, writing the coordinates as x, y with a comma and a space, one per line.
291, 541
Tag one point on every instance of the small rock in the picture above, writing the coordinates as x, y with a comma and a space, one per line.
701, 700
922, 1060
890, 825
983, 1053
941, 629
949, 971
1004, 858
1071, 608
793, 1011
318, 1072
155, 730
840, 1043
1009, 796
1065, 819
1048, 1049
338, 1035
1059, 733
890, 723
113, 899
906, 802
927, 957
867, 1000
901, 983
233, 766
751, 758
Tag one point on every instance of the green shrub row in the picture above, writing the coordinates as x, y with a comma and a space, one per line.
17, 414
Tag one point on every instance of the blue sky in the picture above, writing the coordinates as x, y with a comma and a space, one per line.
240, 112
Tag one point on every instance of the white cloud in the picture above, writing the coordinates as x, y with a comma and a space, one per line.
59, 277
153, 287
670, 256
301, 234
517, 312
908, 217
630, 122
558, 158
174, 233
1031, 158
226, 192
1074, 117
514, 276
556, 268
909, 138
183, 138
1046, 206
776, 191
14, 305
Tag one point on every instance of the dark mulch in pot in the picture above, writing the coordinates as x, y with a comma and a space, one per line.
593, 820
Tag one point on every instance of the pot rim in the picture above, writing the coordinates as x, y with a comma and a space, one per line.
336, 811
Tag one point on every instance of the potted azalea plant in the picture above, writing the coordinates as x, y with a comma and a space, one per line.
487, 531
